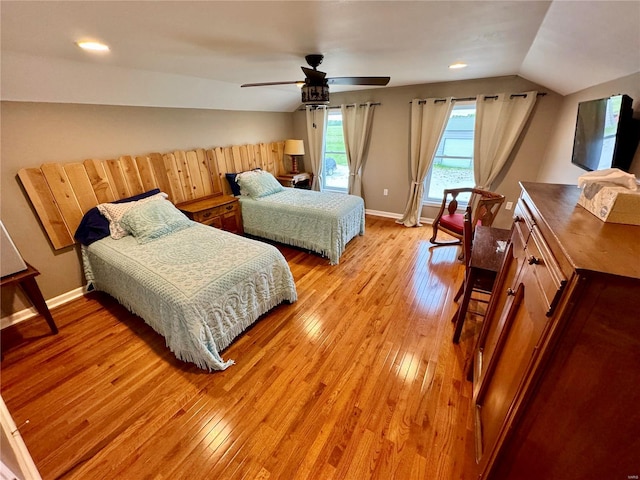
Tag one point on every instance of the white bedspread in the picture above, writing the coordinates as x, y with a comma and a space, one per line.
199, 287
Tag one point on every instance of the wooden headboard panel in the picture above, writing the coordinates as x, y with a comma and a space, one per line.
62, 192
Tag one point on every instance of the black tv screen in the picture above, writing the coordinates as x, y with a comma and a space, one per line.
606, 134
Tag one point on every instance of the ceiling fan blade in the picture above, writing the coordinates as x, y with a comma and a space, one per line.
266, 84
316, 77
380, 81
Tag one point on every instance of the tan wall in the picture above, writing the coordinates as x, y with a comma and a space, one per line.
388, 161
35, 133
557, 167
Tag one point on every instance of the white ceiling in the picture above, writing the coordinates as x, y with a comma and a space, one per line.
196, 54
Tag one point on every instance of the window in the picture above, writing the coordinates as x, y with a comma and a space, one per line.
336, 169
452, 165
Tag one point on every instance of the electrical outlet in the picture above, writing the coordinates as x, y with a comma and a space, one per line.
508, 205
385, 192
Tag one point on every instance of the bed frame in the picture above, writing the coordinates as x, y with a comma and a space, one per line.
61, 193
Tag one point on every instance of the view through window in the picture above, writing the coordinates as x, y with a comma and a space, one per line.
452, 165
336, 169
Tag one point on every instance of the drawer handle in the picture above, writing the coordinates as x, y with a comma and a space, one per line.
229, 207
511, 292
533, 260
206, 214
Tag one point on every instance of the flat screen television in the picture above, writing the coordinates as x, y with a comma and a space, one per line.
606, 134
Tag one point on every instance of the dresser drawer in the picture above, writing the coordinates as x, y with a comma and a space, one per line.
523, 221
207, 216
546, 269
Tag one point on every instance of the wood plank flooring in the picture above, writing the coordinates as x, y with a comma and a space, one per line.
358, 379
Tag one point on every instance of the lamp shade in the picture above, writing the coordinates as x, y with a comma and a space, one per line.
293, 147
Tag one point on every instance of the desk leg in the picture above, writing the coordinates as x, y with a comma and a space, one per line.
35, 295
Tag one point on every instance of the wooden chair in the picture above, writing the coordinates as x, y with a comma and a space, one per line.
479, 277
484, 205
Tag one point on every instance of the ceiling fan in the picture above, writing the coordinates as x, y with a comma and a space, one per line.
315, 86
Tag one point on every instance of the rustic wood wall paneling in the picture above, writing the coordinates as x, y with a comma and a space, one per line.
131, 175
62, 193
173, 177
116, 178
81, 186
217, 185
99, 181
45, 205
145, 169
160, 174
203, 170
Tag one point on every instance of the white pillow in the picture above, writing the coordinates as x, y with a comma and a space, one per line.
114, 212
153, 220
258, 183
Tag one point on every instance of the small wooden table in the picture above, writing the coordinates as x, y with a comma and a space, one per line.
26, 279
219, 211
295, 179
486, 259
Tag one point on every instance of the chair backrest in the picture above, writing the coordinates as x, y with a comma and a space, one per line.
467, 236
485, 206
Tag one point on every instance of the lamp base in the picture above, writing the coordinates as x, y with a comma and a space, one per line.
294, 164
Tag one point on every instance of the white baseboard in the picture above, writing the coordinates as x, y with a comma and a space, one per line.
397, 216
31, 312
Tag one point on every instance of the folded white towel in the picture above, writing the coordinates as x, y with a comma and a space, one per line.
609, 177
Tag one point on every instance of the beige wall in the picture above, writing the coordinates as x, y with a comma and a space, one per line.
388, 161
557, 167
35, 133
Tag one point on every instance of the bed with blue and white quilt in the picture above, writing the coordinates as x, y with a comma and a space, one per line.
197, 286
323, 222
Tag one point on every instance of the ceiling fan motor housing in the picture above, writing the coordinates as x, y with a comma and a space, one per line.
315, 94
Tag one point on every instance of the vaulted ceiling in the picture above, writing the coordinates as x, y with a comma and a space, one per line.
196, 54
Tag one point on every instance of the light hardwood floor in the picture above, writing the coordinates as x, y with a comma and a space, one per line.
358, 379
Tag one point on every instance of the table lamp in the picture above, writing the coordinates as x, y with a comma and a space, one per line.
293, 148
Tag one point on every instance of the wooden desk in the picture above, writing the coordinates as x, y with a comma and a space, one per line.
486, 259
26, 279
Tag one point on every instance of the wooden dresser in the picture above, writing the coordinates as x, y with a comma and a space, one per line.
557, 367
219, 211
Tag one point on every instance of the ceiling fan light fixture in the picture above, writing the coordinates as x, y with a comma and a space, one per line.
315, 94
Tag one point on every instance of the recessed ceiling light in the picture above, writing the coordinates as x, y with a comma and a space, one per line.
93, 46
453, 66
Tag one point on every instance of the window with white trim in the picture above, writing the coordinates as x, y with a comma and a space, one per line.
336, 169
452, 165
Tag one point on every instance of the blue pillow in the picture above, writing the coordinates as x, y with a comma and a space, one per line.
235, 188
231, 179
94, 226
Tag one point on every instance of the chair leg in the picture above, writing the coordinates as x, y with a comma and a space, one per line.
460, 291
462, 310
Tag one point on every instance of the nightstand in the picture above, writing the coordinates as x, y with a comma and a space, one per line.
296, 180
219, 211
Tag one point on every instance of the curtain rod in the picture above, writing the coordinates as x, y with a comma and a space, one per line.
486, 97
302, 109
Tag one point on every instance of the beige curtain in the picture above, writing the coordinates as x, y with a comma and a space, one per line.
316, 126
499, 122
356, 126
428, 121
